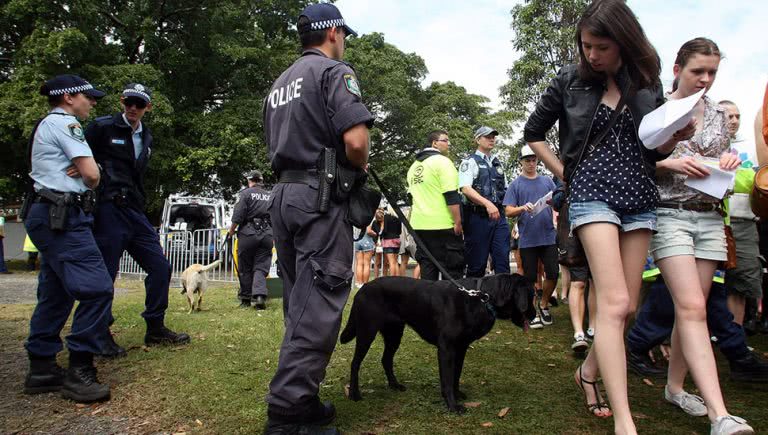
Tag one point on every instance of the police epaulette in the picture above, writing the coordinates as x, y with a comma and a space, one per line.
104, 118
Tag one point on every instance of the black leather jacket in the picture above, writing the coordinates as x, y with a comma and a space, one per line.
574, 102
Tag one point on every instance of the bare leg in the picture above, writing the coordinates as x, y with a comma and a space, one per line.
737, 304
392, 264
689, 281
592, 304
565, 282
576, 305
404, 264
366, 272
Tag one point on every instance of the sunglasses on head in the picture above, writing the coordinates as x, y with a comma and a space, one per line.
137, 102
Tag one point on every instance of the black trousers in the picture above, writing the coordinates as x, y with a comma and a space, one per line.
254, 254
447, 248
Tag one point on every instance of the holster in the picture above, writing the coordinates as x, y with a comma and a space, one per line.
261, 224
57, 212
29, 198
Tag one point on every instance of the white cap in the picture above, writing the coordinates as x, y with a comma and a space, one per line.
526, 151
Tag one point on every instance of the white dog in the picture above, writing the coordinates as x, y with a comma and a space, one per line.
194, 281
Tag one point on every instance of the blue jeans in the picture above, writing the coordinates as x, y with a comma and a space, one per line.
656, 317
582, 213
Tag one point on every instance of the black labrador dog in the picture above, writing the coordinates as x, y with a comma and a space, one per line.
441, 314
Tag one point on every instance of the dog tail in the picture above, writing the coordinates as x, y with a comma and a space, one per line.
350, 331
209, 267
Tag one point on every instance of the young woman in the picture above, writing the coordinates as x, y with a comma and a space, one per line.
690, 240
612, 192
363, 252
388, 229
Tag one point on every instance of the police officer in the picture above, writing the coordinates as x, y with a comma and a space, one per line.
481, 180
313, 110
58, 220
254, 241
122, 145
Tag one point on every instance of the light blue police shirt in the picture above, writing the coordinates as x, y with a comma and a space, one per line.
138, 144
59, 139
468, 169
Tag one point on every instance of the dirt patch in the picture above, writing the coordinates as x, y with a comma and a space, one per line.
21, 288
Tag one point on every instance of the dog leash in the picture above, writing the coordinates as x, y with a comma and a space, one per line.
221, 248
421, 245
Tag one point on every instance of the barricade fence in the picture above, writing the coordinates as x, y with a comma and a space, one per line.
183, 248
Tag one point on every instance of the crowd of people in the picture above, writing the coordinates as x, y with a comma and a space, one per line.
627, 204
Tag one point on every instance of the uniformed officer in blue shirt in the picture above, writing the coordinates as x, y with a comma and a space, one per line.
486, 232
122, 145
254, 241
59, 221
314, 105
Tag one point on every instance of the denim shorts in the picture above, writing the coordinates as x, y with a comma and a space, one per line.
365, 244
686, 232
582, 213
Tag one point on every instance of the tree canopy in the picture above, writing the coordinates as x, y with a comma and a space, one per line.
209, 64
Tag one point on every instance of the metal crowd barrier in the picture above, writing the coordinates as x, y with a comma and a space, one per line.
183, 248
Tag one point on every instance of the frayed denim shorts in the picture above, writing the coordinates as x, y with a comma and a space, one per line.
583, 213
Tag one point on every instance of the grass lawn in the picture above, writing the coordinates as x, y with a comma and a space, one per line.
218, 383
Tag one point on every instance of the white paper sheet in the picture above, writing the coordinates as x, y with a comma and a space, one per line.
716, 184
658, 126
541, 204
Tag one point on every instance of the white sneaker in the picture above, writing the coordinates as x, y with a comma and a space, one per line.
731, 425
580, 344
690, 403
536, 323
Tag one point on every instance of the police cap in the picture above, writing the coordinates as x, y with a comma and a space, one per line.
69, 84
254, 176
323, 16
139, 91
485, 131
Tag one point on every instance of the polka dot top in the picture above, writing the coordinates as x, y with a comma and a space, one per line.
613, 171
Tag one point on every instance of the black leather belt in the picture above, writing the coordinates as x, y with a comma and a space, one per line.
303, 176
86, 200
691, 206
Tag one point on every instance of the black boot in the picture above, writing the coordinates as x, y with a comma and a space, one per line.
157, 333
245, 303
750, 368
111, 349
260, 303
306, 419
81, 383
643, 365
44, 375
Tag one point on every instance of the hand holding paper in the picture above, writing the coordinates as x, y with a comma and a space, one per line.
716, 184
541, 204
657, 127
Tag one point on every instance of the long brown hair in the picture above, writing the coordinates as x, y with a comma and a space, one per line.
613, 19
700, 45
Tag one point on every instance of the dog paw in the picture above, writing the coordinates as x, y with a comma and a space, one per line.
397, 386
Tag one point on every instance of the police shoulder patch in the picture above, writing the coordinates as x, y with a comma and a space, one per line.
350, 81
464, 166
76, 131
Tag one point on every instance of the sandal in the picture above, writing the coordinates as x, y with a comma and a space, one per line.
597, 406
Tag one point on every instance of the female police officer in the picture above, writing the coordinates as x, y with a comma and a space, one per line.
58, 220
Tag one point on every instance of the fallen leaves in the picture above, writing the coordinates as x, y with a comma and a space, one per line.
648, 382
472, 404
503, 412
487, 424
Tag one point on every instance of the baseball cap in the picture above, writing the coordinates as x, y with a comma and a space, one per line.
138, 90
254, 175
324, 16
526, 151
69, 84
485, 131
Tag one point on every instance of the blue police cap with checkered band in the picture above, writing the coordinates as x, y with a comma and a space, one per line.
69, 84
324, 16
139, 91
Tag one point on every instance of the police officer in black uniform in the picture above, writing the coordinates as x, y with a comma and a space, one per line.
122, 144
313, 110
58, 218
254, 241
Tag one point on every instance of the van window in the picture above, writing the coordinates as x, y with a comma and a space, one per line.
191, 217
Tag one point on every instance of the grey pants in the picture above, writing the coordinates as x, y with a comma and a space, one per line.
254, 253
314, 251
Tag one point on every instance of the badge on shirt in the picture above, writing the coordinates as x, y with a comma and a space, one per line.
76, 131
351, 82
464, 166
118, 141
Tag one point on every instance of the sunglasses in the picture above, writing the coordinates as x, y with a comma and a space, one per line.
135, 102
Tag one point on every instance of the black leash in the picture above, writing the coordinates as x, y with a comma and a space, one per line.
384, 191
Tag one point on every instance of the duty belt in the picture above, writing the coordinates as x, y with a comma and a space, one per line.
479, 209
302, 176
85, 200
692, 206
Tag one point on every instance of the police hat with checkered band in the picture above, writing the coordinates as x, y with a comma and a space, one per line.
69, 84
323, 16
139, 91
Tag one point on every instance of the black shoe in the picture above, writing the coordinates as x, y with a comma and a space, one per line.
750, 327
82, 385
245, 303
313, 413
273, 428
750, 368
111, 349
44, 376
553, 301
642, 365
163, 335
260, 302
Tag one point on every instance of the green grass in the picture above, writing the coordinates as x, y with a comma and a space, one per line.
218, 383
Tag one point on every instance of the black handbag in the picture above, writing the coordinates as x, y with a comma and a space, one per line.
363, 202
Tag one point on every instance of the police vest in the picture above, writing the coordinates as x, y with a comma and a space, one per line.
490, 182
111, 140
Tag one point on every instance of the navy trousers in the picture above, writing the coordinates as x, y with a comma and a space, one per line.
314, 251
484, 237
71, 270
656, 317
254, 254
117, 229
